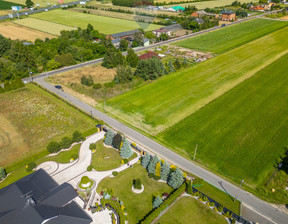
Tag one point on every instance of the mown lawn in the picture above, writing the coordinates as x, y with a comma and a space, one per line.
227, 38
5, 5
31, 118
106, 158
241, 134
189, 210
172, 98
138, 205
106, 25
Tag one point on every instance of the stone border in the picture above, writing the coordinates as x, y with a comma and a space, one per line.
137, 191
83, 190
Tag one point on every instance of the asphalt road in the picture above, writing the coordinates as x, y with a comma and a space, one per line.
268, 213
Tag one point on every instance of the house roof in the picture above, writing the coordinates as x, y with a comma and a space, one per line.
123, 34
178, 8
37, 198
173, 27
148, 55
199, 20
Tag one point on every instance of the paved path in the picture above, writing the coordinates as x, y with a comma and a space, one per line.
271, 214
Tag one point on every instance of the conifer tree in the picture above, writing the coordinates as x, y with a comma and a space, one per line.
158, 171
145, 160
165, 171
126, 151
109, 137
2, 173
152, 165
117, 140
175, 178
157, 202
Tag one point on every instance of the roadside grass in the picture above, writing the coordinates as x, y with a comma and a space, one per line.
138, 205
15, 31
106, 158
228, 38
242, 133
168, 100
5, 5
42, 3
53, 28
31, 118
103, 24
221, 197
188, 210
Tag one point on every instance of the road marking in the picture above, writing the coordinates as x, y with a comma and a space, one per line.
252, 209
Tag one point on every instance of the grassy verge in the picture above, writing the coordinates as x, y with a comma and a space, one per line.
106, 158
189, 210
137, 204
228, 38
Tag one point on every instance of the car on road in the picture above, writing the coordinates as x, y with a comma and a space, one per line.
58, 87
223, 25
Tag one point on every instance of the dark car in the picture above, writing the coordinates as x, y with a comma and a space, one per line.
223, 25
58, 87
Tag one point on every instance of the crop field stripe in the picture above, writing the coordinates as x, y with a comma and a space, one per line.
171, 98
228, 38
103, 24
212, 4
243, 132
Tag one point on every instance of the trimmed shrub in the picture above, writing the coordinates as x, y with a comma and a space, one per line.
151, 175
85, 180
89, 168
175, 178
137, 184
77, 136
220, 208
74, 156
145, 160
2, 173
66, 142
126, 151
189, 189
53, 147
92, 146
114, 173
97, 86
116, 206
117, 140
157, 202
30, 166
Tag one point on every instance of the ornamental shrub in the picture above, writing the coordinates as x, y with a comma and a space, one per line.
165, 171
92, 146
157, 202
137, 184
145, 160
97, 86
30, 166
158, 170
66, 142
2, 173
74, 156
77, 136
189, 187
220, 208
89, 168
117, 140
114, 173
85, 180
53, 147
109, 137
126, 151
175, 178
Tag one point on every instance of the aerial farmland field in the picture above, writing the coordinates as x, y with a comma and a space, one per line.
165, 102
15, 31
242, 133
106, 25
42, 3
43, 26
227, 38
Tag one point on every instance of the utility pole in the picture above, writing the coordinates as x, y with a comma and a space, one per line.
239, 190
195, 151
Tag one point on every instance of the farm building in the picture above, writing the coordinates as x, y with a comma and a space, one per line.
148, 55
203, 13
160, 31
176, 9
122, 35
37, 198
168, 30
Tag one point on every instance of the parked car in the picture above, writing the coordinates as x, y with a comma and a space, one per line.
223, 25
58, 87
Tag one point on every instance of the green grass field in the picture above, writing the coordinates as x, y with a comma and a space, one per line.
44, 26
106, 158
230, 37
30, 118
172, 98
42, 3
189, 210
6, 5
241, 134
106, 25
138, 205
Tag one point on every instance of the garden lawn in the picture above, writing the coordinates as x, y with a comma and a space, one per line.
170, 99
106, 158
138, 205
230, 37
44, 26
241, 134
189, 210
106, 25
30, 118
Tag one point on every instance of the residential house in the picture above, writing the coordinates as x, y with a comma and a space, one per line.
199, 20
178, 8
266, 7
203, 13
37, 199
228, 16
257, 8
116, 42
148, 55
146, 42
122, 35
160, 31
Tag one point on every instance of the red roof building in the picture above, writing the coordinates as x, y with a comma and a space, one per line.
149, 55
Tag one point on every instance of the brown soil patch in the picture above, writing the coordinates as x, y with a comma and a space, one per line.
12, 144
14, 32
98, 73
284, 17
